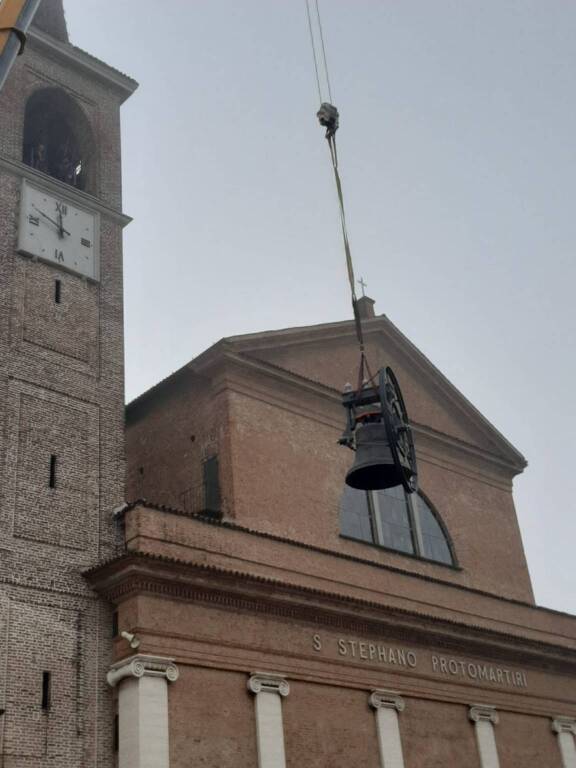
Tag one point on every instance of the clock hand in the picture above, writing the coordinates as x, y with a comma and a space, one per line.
45, 216
56, 224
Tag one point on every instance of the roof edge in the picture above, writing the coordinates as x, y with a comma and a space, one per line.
242, 345
213, 520
71, 55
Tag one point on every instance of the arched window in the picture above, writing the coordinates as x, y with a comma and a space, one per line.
395, 520
58, 138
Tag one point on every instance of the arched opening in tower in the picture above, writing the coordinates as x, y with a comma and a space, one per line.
58, 138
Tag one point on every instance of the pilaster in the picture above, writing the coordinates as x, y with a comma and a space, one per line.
387, 705
268, 690
565, 728
485, 718
143, 710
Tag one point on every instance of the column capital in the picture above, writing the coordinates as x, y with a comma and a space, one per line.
483, 712
386, 700
562, 724
141, 665
261, 682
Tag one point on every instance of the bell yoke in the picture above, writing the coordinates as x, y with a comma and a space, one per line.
378, 430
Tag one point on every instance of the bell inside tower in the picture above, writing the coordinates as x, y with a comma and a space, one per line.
57, 138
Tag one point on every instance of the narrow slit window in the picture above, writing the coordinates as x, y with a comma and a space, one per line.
115, 624
116, 735
46, 684
52, 479
211, 474
58, 292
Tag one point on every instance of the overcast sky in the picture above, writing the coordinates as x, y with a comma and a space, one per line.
457, 151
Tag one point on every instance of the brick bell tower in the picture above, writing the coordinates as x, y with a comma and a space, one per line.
61, 396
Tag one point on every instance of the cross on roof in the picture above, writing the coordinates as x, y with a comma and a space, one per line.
363, 285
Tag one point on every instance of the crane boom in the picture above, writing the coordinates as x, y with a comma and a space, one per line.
15, 18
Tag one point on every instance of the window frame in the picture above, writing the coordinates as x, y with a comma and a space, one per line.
415, 530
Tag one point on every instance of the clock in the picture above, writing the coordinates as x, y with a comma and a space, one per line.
57, 231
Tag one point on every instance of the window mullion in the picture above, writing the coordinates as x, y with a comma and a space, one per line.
415, 522
376, 519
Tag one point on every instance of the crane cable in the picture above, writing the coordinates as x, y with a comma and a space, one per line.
329, 118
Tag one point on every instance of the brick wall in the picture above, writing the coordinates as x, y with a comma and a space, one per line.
328, 725
165, 455
438, 734
61, 395
216, 725
282, 470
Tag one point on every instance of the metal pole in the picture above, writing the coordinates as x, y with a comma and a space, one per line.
15, 18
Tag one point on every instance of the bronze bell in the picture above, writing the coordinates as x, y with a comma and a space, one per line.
374, 467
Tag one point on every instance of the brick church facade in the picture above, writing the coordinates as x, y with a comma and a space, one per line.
232, 602
291, 630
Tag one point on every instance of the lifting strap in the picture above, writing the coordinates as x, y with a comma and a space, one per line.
329, 118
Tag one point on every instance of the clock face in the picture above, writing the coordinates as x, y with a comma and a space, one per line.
55, 230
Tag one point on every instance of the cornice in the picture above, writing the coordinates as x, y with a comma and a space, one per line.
139, 573
382, 325
82, 199
221, 360
301, 334
75, 58
457, 447
229, 525
230, 370
274, 372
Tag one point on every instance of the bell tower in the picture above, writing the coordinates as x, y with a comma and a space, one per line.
61, 395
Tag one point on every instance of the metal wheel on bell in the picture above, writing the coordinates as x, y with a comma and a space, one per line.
398, 429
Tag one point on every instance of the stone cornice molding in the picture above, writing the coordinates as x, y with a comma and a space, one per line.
241, 352
483, 713
386, 700
232, 360
141, 665
562, 724
262, 682
228, 362
78, 59
136, 573
250, 344
253, 343
457, 455
82, 199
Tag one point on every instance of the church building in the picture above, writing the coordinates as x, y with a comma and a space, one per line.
228, 601
284, 619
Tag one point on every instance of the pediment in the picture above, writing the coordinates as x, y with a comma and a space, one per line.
328, 355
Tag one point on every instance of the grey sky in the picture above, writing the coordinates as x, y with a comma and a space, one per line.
457, 150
